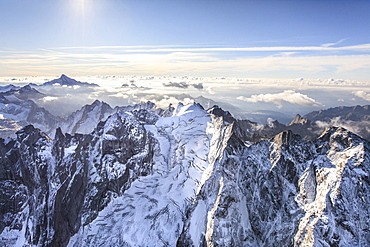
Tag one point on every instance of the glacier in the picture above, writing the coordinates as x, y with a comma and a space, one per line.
182, 176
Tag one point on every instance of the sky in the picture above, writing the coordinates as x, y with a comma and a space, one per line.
235, 38
280, 57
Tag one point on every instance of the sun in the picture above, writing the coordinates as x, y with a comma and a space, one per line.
81, 9
80, 15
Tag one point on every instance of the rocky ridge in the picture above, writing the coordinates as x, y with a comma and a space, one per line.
183, 177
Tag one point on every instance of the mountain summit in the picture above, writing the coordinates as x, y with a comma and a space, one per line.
67, 81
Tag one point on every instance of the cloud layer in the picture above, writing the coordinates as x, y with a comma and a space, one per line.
327, 60
183, 85
287, 96
362, 94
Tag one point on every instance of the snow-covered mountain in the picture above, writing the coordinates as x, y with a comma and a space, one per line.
8, 88
85, 120
183, 176
67, 81
17, 109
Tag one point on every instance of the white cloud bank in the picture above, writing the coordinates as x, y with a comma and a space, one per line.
362, 94
290, 96
49, 98
314, 61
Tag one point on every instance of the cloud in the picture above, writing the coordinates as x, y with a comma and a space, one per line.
287, 53
332, 44
183, 85
176, 84
287, 96
360, 128
198, 86
210, 90
120, 95
319, 61
362, 94
165, 101
49, 98
170, 49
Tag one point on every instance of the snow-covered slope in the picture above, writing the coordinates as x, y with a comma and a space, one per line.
18, 109
158, 201
182, 177
85, 120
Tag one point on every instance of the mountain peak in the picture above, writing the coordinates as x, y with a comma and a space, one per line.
298, 119
97, 102
338, 137
284, 138
64, 80
218, 111
7, 88
30, 135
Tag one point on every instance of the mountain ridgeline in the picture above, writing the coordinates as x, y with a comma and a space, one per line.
18, 109
183, 176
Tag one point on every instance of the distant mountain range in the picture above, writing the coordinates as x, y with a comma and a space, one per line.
346, 113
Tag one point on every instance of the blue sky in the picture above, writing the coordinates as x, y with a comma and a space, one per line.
258, 39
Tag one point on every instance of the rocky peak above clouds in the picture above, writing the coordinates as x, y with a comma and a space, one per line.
64, 80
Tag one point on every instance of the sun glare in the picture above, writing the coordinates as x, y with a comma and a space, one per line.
80, 12
80, 7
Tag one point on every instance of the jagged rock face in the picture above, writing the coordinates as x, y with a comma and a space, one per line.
249, 199
84, 120
62, 184
189, 179
158, 200
288, 192
338, 214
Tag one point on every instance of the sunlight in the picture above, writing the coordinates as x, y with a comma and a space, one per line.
80, 8
80, 13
